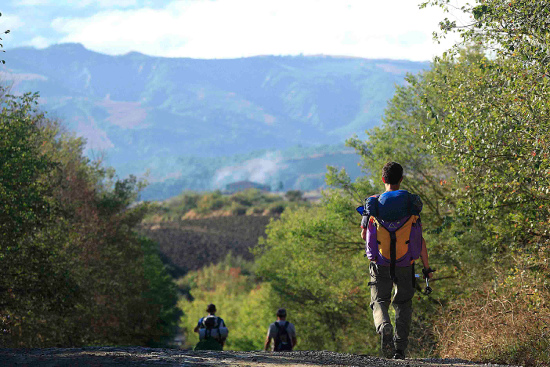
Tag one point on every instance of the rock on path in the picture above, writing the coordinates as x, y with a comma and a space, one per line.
138, 356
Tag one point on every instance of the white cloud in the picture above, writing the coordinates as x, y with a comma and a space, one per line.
237, 28
109, 4
39, 42
10, 22
31, 2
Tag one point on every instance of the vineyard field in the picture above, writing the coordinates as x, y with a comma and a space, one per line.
188, 245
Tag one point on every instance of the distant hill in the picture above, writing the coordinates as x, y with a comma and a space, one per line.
153, 114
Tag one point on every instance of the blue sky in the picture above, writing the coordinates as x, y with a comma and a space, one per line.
394, 29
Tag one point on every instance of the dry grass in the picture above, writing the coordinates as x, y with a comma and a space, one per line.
508, 325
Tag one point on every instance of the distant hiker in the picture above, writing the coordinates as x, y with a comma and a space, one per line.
212, 331
393, 232
282, 332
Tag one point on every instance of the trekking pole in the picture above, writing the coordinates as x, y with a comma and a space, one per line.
426, 273
428, 289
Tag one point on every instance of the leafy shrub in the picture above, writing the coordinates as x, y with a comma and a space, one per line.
183, 203
210, 202
237, 209
275, 208
255, 210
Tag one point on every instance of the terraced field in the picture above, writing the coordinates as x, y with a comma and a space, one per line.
191, 244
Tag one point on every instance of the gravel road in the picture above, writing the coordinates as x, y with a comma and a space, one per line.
137, 356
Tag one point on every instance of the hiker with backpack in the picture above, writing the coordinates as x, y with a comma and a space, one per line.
392, 230
282, 332
212, 331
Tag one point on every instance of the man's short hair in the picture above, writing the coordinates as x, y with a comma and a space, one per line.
392, 173
211, 308
281, 312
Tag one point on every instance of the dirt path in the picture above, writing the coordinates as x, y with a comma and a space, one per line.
137, 356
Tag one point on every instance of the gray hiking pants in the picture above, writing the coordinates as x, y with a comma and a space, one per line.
380, 294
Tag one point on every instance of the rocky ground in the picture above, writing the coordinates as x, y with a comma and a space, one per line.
137, 356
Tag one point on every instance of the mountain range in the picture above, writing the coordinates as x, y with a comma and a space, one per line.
198, 124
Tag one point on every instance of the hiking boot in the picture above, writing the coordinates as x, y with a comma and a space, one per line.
399, 354
386, 337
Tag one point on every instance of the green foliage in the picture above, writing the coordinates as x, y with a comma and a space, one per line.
22, 186
498, 151
494, 114
516, 30
161, 294
35, 276
254, 197
210, 202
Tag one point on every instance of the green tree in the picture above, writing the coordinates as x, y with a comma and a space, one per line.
489, 117
24, 191
34, 280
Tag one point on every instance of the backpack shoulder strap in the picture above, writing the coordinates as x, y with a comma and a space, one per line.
371, 208
371, 205
277, 331
415, 204
218, 325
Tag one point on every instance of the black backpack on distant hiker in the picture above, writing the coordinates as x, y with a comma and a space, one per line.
282, 338
211, 322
